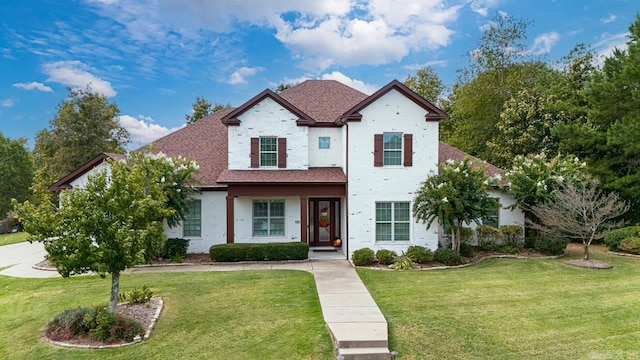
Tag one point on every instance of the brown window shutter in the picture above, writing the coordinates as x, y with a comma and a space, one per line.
282, 152
408, 149
255, 152
377, 150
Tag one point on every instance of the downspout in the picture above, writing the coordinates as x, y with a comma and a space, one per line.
346, 165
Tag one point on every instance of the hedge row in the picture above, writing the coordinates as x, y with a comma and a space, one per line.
259, 252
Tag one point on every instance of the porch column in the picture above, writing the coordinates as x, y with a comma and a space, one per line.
304, 219
230, 219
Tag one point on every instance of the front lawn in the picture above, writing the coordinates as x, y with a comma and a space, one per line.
209, 315
6, 239
513, 309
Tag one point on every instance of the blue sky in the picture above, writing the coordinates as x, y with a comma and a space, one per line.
154, 57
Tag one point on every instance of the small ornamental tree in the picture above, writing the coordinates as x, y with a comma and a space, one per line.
116, 221
456, 195
579, 211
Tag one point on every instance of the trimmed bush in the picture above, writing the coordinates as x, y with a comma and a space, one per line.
631, 245
419, 254
259, 252
447, 257
489, 238
551, 245
97, 323
614, 237
466, 250
511, 250
363, 257
176, 248
530, 242
512, 235
386, 257
466, 235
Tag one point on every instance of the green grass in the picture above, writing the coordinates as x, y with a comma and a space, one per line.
6, 239
208, 315
512, 309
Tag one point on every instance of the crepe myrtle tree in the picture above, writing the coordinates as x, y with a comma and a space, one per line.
454, 196
579, 211
116, 221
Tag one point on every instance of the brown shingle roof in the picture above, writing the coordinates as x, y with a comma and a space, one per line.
447, 152
204, 141
323, 100
328, 175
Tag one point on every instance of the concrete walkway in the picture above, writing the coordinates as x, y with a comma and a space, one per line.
358, 328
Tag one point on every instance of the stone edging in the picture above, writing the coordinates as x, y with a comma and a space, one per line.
146, 336
622, 254
505, 256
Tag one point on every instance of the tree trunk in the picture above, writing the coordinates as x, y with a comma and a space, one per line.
458, 237
115, 288
586, 251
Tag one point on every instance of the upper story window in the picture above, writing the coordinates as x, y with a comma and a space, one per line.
324, 142
392, 145
393, 149
268, 151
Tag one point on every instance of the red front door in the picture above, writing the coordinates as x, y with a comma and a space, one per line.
324, 221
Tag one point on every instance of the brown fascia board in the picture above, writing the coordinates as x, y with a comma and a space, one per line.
231, 119
64, 182
433, 112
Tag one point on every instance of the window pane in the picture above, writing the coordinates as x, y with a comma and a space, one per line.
383, 211
401, 211
260, 209
392, 141
268, 144
277, 227
383, 232
277, 208
191, 225
268, 159
260, 227
401, 231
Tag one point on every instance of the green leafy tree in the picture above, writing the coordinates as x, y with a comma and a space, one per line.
426, 83
580, 211
16, 172
456, 195
203, 108
116, 221
85, 125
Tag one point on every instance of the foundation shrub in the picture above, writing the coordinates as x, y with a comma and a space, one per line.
447, 257
176, 248
512, 235
419, 254
489, 238
551, 245
466, 250
259, 252
386, 257
363, 257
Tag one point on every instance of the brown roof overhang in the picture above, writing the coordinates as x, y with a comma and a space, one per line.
328, 175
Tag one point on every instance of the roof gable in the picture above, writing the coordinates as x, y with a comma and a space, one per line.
448, 152
433, 112
231, 119
65, 182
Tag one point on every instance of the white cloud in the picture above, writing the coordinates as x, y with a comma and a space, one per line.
142, 130
482, 7
33, 86
238, 76
427, 64
6, 103
608, 19
608, 43
544, 42
76, 74
356, 84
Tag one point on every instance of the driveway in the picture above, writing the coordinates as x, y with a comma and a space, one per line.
21, 257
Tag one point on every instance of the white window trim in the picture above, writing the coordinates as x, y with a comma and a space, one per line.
401, 150
393, 222
188, 218
260, 152
269, 217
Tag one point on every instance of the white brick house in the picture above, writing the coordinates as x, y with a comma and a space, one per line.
318, 162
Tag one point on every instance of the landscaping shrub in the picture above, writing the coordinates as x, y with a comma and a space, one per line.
447, 257
136, 296
386, 257
551, 245
511, 250
466, 250
489, 238
466, 235
97, 323
614, 237
512, 235
530, 242
631, 245
362, 257
176, 248
419, 254
259, 252
406, 263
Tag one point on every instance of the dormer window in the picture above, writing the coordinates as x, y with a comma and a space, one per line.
268, 151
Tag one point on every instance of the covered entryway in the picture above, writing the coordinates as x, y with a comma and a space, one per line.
324, 221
